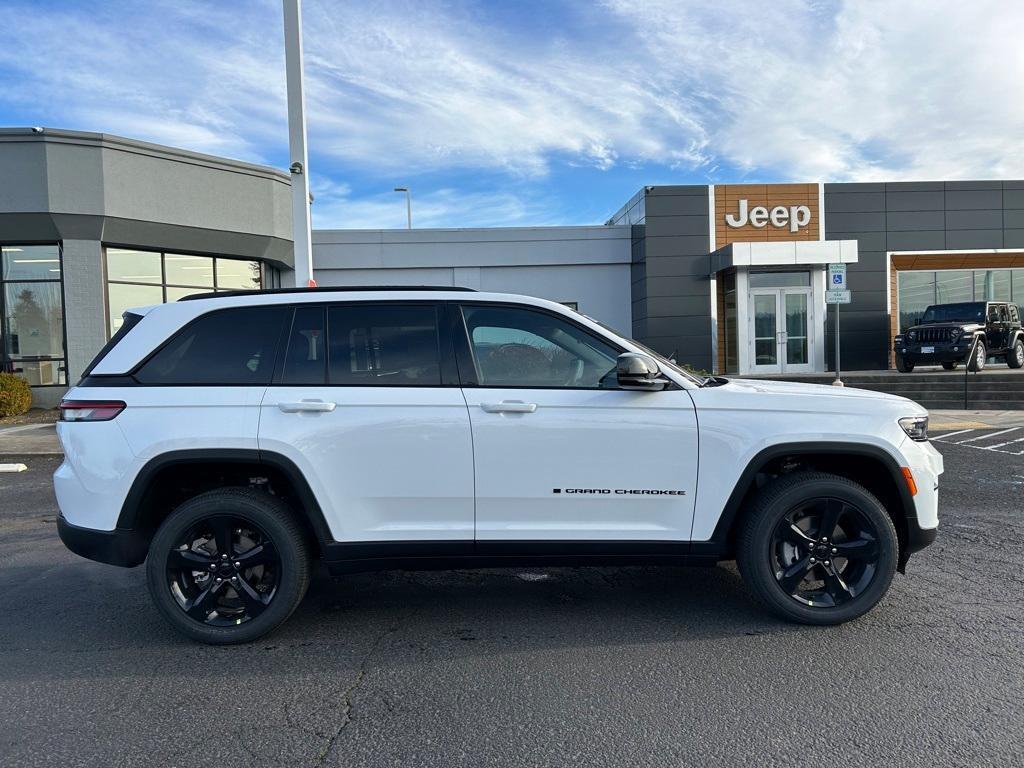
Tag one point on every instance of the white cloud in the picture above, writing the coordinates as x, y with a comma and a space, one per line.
338, 209
717, 89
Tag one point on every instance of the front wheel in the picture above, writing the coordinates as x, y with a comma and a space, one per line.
817, 548
1015, 357
228, 566
977, 361
903, 366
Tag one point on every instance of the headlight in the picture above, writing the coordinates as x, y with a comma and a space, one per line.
912, 335
916, 427
956, 333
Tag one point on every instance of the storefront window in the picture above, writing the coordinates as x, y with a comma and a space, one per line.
32, 314
919, 288
136, 278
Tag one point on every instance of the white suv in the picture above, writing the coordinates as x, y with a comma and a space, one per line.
229, 440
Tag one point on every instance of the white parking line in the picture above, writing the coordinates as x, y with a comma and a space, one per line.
1000, 445
987, 435
24, 428
942, 438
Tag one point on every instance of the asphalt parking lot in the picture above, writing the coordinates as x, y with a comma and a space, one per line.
598, 667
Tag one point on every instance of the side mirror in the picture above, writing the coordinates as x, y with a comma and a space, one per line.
640, 372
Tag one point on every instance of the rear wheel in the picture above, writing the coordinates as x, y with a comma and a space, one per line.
228, 566
977, 361
817, 548
1015, 357
949, 365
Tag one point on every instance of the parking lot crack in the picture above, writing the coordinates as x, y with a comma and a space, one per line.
347, 696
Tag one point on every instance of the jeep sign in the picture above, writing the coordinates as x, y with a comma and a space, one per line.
795, 216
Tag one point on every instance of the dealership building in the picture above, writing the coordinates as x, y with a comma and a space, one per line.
731, 278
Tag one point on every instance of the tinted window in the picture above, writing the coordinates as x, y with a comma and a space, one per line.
306, 354
515, 347
384, 346
227, 347
955, 313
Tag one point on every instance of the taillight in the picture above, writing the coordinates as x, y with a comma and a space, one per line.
90, 410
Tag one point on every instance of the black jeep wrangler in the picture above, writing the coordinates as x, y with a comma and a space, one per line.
948, 332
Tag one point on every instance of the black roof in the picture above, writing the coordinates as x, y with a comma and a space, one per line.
326, 289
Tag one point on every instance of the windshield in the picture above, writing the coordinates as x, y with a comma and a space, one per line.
662, 360
968, 312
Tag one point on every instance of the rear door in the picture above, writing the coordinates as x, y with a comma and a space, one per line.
366, 403
562, 454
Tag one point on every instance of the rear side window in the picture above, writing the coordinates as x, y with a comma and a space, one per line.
129, 321
226, 347
305, 360
383, 346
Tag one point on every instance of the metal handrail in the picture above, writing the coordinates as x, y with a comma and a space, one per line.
967, 366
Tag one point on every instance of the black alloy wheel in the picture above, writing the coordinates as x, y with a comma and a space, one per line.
224, 571
228, 566
817, 548
824, 552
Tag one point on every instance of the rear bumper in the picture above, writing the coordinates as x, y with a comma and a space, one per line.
118, 547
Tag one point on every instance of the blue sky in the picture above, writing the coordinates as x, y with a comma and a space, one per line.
517, 113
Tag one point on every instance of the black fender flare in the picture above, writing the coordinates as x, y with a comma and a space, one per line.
128, 519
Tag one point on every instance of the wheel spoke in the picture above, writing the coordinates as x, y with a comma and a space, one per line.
201, 605
261, 554
794, 535
187, 560
252, 599
830, 518
857, 549
794, 575
223, 534
835, 585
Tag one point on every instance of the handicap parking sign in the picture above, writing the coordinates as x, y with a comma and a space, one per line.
837, 277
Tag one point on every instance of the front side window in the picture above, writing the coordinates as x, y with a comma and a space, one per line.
383, 345
32, 314
516, 347
229, 347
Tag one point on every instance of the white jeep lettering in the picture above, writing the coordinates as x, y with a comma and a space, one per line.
795, 216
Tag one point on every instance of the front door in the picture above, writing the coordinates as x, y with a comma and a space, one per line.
561, 454
779, 330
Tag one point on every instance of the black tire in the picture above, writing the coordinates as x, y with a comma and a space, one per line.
1015, 357
269, 563
759, 549
903, 366
977, 361
949, 365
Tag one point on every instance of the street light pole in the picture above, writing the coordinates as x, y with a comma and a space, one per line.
299, 167
408, 204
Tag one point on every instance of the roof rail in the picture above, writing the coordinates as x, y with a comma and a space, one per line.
325, 289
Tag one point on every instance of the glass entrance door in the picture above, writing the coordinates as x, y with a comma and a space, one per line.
779, 330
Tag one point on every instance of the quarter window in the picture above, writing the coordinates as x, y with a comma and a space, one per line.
227, 347
515, 347
384, 346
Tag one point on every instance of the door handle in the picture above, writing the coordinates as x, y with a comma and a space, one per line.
307, 406
509, 406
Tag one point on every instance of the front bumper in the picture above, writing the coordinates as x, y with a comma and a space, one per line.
933, 354
117, 547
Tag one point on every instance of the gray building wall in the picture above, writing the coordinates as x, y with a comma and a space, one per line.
909, 216
670, 283
87, 190
586, 265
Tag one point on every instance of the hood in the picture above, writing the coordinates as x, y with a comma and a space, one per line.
791, 388
967, 325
